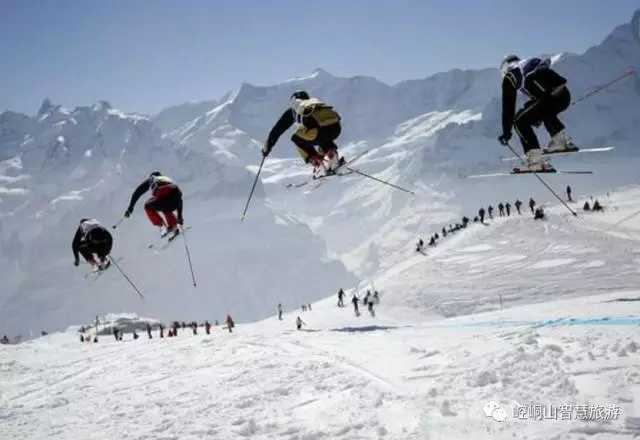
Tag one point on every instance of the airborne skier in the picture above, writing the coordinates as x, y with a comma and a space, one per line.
319, 126
94, 242
166, 198
548, 96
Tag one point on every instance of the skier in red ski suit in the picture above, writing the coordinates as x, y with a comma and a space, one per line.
166, 198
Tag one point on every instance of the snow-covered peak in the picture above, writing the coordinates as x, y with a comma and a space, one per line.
45, 107
101, 106
317, 74
370, 108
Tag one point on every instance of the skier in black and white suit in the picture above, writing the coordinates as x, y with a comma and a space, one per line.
548, 96
92, 240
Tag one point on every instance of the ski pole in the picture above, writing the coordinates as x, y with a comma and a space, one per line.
186, 248
124, 275
118, 224
575, 214
604, 86
353, 170
253, 187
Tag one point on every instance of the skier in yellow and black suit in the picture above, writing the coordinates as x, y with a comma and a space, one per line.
319, 125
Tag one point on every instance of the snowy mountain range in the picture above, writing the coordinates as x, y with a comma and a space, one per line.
295, 247
62, 165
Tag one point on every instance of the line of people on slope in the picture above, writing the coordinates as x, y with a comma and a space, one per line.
89, 333
370, 300
504, 210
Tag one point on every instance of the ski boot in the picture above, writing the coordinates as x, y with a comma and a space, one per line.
560, 143
334, 161
171, 232
319, 169
95, 265
534, 163
104, 264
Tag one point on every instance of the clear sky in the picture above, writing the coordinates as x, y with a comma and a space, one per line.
143, 55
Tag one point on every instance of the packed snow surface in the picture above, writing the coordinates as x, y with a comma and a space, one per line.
570, 366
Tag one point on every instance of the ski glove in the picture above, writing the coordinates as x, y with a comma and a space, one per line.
266, 150
127, 213
504, 138
76, 263
180, 220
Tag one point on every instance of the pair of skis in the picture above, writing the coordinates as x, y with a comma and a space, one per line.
553, 171
338, 172
97, 273
170, 239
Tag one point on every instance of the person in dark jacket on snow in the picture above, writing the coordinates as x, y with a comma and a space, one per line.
547, 95
94, 242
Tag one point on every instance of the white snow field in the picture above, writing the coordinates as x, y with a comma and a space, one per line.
560, 359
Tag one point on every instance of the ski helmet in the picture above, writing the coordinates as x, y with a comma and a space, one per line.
300, 94
507, 63
155, 173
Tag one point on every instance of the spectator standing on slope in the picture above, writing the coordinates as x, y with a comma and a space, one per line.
518, 205
341, 298
355, 301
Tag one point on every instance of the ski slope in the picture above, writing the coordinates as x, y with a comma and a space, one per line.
566, 338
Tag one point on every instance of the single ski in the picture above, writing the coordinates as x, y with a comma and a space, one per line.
336, 173
564, 153
521, 173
